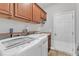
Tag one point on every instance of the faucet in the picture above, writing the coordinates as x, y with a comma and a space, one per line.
25, 30
11, 32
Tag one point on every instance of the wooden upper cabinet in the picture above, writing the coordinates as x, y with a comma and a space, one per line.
43, 15
23, 10
6, 8
36, 13
39, 14
27, 11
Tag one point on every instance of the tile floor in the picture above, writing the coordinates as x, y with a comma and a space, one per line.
57, 53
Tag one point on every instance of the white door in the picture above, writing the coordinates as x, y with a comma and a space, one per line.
64, 35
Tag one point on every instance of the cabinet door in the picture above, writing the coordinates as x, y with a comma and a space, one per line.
45, 48
23, 10
36, 13
5, 8
34, 50
43, 15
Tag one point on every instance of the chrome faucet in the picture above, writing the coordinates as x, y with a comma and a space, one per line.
11, 32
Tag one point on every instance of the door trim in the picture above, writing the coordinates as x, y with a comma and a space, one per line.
74, 39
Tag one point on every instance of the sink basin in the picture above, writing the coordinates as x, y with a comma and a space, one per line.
17, 42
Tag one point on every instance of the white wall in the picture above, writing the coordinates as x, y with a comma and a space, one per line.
18, 26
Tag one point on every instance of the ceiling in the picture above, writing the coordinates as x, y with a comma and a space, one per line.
45, 5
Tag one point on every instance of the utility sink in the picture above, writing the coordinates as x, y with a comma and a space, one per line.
17, 42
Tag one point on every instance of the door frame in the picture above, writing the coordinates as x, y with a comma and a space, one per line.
74, 25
